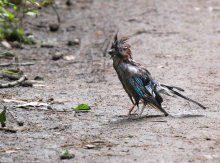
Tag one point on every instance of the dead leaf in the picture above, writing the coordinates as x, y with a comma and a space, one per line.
6, 45
89, 146
33, 104
10, 151
69, 58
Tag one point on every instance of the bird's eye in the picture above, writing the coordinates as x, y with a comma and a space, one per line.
111, 51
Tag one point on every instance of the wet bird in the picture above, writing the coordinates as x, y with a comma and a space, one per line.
138, 82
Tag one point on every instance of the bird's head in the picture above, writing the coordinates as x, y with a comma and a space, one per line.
120, 49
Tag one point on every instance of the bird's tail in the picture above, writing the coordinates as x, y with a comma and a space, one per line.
172, 89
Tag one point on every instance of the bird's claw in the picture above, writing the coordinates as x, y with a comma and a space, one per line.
132, 115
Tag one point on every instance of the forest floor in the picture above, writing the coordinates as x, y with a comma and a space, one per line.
177, 41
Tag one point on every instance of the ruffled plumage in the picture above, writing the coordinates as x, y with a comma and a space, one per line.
137, 81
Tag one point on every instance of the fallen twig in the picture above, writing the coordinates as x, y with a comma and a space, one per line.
13, 100
9, 150
187, 115
57, 14
159, 121
8, 130
14, 83
154, 32
17, 64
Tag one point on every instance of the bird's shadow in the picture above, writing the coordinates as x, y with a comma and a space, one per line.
150, 118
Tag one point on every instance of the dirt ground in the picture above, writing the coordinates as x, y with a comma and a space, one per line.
177, 41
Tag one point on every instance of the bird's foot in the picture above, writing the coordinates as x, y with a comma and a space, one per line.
166, 114
139, 115
136, 111
134, 115
130, 110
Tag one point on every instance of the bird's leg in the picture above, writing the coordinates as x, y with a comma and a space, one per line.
142, 109
163, 111
135, 112
131, 109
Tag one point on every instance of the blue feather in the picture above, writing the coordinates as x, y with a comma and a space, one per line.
138, 86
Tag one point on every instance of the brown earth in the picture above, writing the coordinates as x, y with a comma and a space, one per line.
179, 43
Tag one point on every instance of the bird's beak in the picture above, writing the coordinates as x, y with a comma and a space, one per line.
111, 52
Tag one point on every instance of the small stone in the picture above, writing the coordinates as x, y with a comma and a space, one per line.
39, 78
20, 123
69, 58
208, 139
54, 27
49, 107
73, 42
50, 99
57, 56
45, 45
89, 146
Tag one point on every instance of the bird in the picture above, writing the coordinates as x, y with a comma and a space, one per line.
138, 82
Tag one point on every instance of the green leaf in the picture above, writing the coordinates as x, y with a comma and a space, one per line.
82, 107
3, 117
14, 6
17, 35
32, 13
65, 154
9, 72
9, 15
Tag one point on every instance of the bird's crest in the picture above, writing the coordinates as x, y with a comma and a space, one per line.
120, 48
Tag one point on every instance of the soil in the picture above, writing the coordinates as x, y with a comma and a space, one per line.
177, 41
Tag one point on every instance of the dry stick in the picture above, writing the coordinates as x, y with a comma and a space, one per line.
8, 130
14, 83
58, 16
20, 64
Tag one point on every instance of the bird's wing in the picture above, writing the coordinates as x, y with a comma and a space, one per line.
141, 68
145, 87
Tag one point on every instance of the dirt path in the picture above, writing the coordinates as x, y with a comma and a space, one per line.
178, 41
